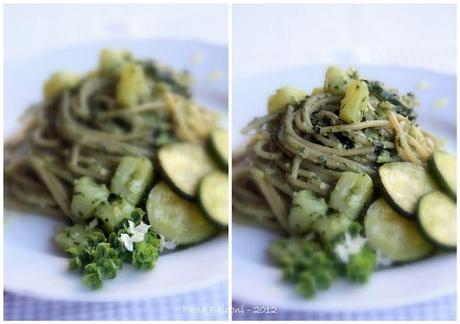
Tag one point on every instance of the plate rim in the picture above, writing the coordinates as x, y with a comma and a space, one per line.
119, 43
356, 65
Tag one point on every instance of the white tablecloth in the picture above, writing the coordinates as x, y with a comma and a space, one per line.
439, 309
206, 304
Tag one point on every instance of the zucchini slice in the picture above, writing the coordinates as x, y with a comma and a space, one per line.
184, 165
177, 219
213, 198
395, 236
444, 168
403, 184
437, 217
218, 145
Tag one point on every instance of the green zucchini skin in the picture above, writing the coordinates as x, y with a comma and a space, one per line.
395, 236
203, 195
386, 191
212, 146
175, 218
390, 201
435, 170
184, 151
423, 227
165, 178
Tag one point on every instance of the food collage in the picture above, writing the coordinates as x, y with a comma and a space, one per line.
293, 162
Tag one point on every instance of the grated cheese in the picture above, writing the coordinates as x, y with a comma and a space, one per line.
197, 57
135, 234
441, 103
164, 244
349, 247
382, 260
423, 85
216, 75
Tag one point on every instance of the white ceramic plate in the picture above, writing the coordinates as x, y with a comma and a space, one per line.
33, 266
257, 281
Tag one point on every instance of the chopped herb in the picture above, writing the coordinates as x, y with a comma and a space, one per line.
380, 93
384, 157
178, 82
122, 123
317, 129
345, 140
378, 148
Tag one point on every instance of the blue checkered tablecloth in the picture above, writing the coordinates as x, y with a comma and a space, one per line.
206, 304
444, 308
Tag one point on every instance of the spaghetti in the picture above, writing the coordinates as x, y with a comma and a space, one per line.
307, 145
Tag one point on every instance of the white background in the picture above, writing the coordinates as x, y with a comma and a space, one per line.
273, 37
33, 29
265, 37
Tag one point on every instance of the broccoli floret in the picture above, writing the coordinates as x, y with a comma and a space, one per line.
306, 263
98, 261
361, 265
99, 258
104, 265
145, 253
93, 276
356, 258
285, 251
313, 265
306, 285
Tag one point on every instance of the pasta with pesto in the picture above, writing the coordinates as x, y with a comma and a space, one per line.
308, 144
